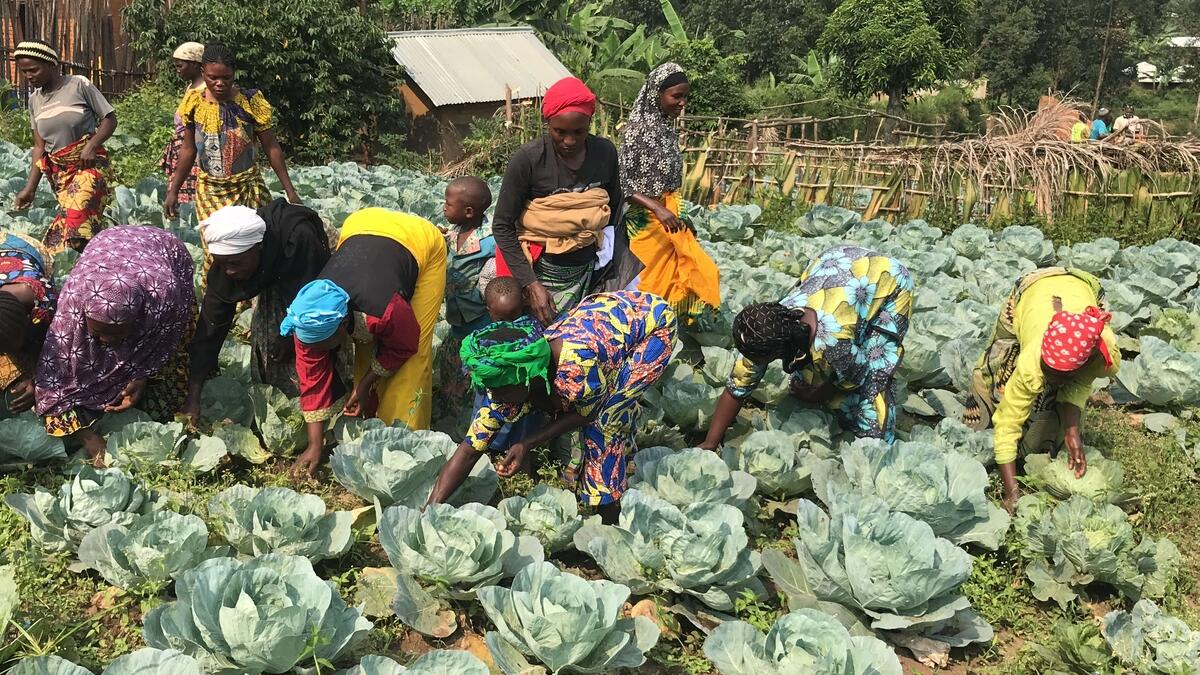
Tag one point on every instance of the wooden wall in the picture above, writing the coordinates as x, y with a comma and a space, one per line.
88, 34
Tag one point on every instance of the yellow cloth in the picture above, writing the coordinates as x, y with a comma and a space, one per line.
244, 189
207, 114
676, 267
565, 222
1033, 313
1080, 132
406, 396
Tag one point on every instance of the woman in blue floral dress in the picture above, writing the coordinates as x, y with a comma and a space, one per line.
839, 333
589, 370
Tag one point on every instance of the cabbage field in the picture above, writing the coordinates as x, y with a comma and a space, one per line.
792, 550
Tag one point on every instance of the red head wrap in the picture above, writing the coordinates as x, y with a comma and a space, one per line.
569, 94
1071, 338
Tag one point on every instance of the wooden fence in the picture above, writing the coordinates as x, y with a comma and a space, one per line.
968, 178
88, 34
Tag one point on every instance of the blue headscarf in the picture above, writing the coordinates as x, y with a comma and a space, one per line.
318, 310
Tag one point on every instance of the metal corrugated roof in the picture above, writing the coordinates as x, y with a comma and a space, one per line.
472, 65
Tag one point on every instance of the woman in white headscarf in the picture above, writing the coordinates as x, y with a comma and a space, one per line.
267, 254
677, 268
186, 58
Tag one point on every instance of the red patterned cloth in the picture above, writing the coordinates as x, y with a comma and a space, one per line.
1071, 338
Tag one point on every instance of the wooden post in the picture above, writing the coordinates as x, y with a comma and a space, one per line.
1103, 58
1196, 117
508, 108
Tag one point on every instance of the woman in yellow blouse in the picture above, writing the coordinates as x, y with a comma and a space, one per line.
1031, 384
222, 122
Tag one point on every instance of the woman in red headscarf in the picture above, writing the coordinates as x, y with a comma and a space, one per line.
560, 198
1051, 342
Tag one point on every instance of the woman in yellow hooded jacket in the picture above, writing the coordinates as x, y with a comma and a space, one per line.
1051, 342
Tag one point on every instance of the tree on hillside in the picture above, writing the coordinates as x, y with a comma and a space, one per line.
897, 46
769, 32
325, 67
1029, 48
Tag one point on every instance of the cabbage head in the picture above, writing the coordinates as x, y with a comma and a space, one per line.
226, 398
1078, 541
700, 550
1104, 481
1177, 326
278, 419
142, 445
1027, 242
568, 624
1094, 257
94, 497
780, 463
277, 520
436, 662
395, 466
804, 641
970, 241
869, 558
952, 435
827, 220
23, 440
548, 514
459, 548
446, 553
265, 615
693, 476
685, 397
944, 489
151, 549
1162, 375
1148, 640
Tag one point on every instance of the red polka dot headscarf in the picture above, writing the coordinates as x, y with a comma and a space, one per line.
1071, 338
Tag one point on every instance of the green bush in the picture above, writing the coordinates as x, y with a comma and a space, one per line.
1173, 108
716, 79
14, 119
325, 67
145, 124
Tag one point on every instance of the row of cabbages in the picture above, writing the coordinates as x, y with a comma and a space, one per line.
894, 510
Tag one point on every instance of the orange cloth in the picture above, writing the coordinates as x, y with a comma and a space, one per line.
677, 268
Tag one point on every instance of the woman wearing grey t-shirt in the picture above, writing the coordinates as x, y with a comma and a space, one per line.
71, 121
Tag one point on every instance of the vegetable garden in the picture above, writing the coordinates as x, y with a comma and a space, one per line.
793, 550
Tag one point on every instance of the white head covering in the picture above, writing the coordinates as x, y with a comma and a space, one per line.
232, 230
189, 51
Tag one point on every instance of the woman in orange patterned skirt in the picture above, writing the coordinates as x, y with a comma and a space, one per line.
71, 122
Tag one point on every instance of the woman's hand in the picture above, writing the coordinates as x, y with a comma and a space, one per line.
171, 204
24, 198
306, 464
1076, 459
669, 220
541, 303
1008, 477
130, 395
353, 406
20, 396
94, 444
87, 156
513, 461
293, 198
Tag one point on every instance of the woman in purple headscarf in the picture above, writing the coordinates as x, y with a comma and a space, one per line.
119, 337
